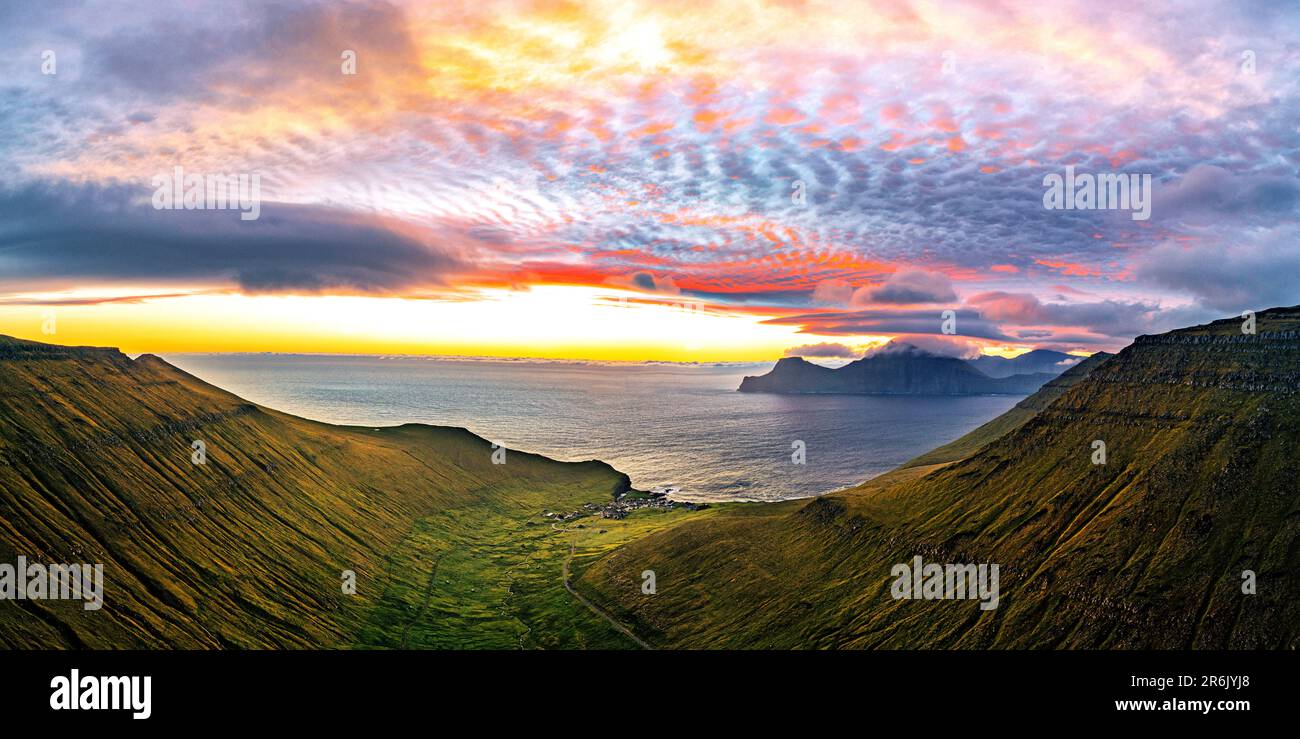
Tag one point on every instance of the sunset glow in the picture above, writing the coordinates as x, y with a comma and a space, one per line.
747, 178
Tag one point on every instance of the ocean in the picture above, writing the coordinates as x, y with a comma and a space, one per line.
666, 425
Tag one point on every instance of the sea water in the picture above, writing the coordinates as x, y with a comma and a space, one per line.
680, 426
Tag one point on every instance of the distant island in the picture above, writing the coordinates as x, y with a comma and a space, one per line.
903, 369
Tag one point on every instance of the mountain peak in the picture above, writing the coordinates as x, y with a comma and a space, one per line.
894, 369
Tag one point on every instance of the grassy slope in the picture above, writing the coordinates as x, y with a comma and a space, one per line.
1203, 434
247, 550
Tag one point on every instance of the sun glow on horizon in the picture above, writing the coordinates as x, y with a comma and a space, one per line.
547, 321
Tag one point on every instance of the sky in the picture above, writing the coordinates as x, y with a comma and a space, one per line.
688, 181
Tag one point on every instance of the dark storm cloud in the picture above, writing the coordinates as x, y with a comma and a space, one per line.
64, 236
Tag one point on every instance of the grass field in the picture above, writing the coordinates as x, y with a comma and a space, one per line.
489, 576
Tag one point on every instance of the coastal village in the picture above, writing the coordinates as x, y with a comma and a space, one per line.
624, 504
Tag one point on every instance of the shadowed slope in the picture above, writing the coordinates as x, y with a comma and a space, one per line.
246, 550
1202, 428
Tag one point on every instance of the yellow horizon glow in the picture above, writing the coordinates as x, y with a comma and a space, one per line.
548, 322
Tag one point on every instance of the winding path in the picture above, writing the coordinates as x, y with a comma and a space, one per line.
573, 545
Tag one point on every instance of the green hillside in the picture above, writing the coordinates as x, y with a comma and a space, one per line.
248, 550
1201, 427
1201, 483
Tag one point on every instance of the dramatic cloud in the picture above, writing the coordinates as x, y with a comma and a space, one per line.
825, 165
1262, 272
60, 238
1210, 194
908, 286
824, 350
933, 345
1106, 318
942, 346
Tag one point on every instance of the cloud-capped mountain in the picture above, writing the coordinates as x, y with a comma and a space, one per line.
1038, 360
